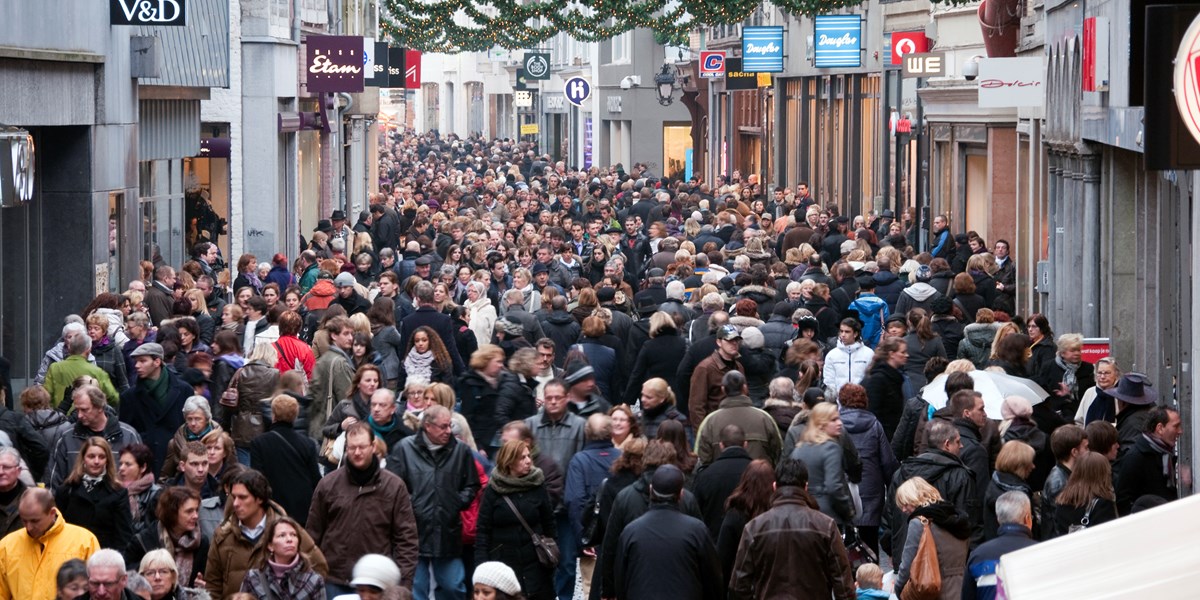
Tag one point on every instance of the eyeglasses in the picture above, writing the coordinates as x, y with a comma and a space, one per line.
4, 467
150, 573
96, 585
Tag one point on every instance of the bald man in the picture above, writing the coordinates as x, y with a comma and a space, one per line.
30, 558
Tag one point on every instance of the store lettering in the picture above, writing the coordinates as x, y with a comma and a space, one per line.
147, 12
322, 65
845, 40
770, 48
989, 84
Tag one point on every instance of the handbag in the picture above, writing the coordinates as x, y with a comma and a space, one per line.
856, 498
1086, 520
229, 398
328, 444
545, 546
592, 533
924, 574
859, 553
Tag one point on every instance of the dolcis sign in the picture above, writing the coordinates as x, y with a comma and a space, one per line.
148, 12
1012, 82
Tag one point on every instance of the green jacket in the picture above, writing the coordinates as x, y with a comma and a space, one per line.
762, 434
309, 278
62, 375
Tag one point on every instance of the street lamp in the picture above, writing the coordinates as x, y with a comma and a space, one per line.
664, 83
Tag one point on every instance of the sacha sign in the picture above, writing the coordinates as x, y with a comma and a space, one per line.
335, 63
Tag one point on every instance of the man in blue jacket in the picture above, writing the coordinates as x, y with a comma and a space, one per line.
1015, 532
586, 475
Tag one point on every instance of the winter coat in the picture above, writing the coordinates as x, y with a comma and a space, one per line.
943, 282
979, 582
231, 554
976, 344
1025, 430
1051, 376
293, 472
878, 462
561, 327
951, 553
911, 428
885, 395
333, 379
1055, 483
500, 536
104, 511
256, 385
762, 435
355, 406
659, 357
953, 480
175, 448
845, 364
969, 304
950, 330
588, 469
706, 392
348, 520
151, 539
919, 352
1141, 472
298, 583
386, 341
777, 332
783, 411
653, 418
667, 554
873, 313
517, 400
888, 287
827, 478
791, 551
109, 357
118, 434
604, 364
917, 295
1065, 516
558, 440
1000, 483
480, 404
763, 296
716, 481
48, 423
34, 449
761, 367
29, 565
443, 483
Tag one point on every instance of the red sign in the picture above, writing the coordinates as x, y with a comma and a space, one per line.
908, 42
1095, 349
412, 69
1187, 79
1089, 54
712, 64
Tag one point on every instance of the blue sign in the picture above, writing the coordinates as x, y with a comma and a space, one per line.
762, 49
837, 41
577, 90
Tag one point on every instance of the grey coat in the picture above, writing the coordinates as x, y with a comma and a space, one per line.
559, 440
827, 478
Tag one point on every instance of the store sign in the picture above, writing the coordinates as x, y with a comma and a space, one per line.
1095, 54
837, 41
712, 64
1095, 349
577, 90
335, 63
16, 166
148, 12
1187, 79
522, 99
1012, 82
908, 42
395, 68
762, 49
529, 129
537, 66
736, 78
377, 75
412, 69
928, 64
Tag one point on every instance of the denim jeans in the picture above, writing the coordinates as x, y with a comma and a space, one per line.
568, 548
333, 590
243, 457
448, 575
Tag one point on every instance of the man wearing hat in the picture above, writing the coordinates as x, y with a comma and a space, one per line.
831, 246
348, 296
1132, 400
154, 406
541, 278
1150, 466
423, 266
665, 553
706, 390
339, 229
582, 393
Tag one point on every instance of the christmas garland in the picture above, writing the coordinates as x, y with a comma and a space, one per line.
432, 26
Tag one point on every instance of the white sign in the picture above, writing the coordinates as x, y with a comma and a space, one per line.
368, 57
577, 90
554, 104
614, 104
1012, 82
1187, 79
522, 98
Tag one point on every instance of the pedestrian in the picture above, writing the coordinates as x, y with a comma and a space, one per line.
1015, 531
750, 497
940, 467
176, 531
1013, 466
849, 361
706, 386
29, 559
162, 573
759, 430
717, 480
294, 469
823, 458
92, 420
877, 459
923, 507
658, 405
1149, 468
515, 507
1088, 498
284, 572
197, 423
333, 376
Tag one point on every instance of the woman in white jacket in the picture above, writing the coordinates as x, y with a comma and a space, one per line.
481, 313
848, 361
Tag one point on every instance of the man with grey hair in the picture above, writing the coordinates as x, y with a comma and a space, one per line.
1016, 532
62, 375
427, 315
513, 309
11, 489
74, 326
760, 433
92, 419
106, 576
586, 474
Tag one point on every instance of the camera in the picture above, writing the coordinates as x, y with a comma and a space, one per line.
970, 69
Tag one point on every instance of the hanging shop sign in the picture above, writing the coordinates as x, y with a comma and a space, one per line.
377, 76
1187, 79
148, 12
1012, 82
537, 66
577, 90
395, 68
837, 41
907, 42
762, 49
16, 166
712, 64
736, 78
335, 63
529, 129
522, 99
412, 69
925, 64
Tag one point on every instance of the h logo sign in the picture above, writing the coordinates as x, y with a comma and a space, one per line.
577, 90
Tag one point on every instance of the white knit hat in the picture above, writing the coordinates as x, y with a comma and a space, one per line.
499, 576
375, 570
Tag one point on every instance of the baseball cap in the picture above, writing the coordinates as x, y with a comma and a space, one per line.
728, 332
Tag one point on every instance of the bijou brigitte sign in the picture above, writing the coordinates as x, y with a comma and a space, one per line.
335, 63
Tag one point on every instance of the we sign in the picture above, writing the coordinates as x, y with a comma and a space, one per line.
148, 12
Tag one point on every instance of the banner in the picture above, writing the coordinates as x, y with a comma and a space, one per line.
762, 49
378, 76
736, 78
837, 41
412, 69
395, 68
335, 63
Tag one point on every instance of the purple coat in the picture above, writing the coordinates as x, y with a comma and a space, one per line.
878, 462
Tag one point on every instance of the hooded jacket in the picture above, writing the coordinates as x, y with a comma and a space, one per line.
878, 462
953, 480
873, 312
917, 295
561, 327
976, 344
888, 287
846, 364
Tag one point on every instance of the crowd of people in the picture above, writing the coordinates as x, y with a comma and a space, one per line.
510, 379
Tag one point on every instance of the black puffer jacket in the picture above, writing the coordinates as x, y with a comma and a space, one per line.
953, 480
480, 404
658, 357
561, 327
885, 395
442, 484
501, 536
33, 447
760, 368
517, 401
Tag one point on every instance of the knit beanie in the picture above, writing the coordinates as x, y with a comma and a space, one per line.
499, 576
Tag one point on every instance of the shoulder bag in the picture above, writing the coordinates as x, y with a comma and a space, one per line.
924, 574
328, 444
592, 532
858, 552
1087, 518
546, 547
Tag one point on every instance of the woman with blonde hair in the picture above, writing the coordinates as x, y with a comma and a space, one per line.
92, 496
657, 405
822, 454
924, 507
1013, 467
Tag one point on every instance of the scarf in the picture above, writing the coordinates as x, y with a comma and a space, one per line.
185, 554
381, 431
90, 483
136, 487
279, 570
509, 484
419, 364
195, 437
362, 477
1168, 455
157, 388
945, 515
255, 282
1068, 373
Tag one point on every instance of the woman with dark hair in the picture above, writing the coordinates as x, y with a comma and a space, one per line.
1042, 349
72, 580
966, 298
878, 461
922, 344
228, 359
362, 352
601, 357
136, 476
885, 383
674, 433
177, 531
751, 497
1088, 498
385, 339
464, 337
271, 294
284, 571
515, 504
357, 407
92, 497
593, 270
427, 358
247, 270
495, 581
1011, 354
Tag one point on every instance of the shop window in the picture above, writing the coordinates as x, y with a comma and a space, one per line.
116, 210
677, 141
160, 196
